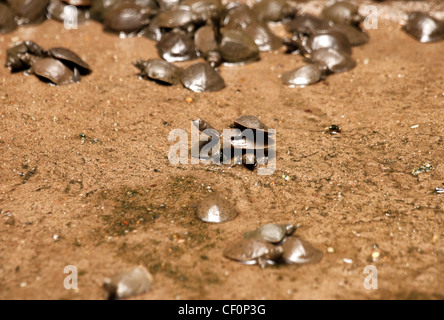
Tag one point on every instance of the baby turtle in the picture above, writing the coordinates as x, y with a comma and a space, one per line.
303, 76
128, 283
100, 8
70, 58
273, 233
249, 122
205, 40
28, 11
7, 20
176, 18
20, 56
204, 10
262, 36
152, 31
200, 77
332, 61
159, 70
55, 71
328, 39
176, 46
215, 209
127, 19
168, 4
424, 28
236, 47
274, 10
355, 36
306, 24
342, 12
252, 251
298, 251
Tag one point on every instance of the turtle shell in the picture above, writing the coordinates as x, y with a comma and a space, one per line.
273, 233
250, 122
54, 71
215, 209
298, 251
200, 77
160, 70
70, 58
303, 76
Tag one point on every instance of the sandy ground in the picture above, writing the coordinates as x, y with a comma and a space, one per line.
115, 201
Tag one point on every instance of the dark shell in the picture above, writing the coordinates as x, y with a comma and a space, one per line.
424, 28
55, 71
160, 70
331, 39
274, 10
56, 11
128, 283
298, 251
205, 40
175, 18
200, 77
306, 24
126, 18
342, 12
29, 11
332, 60
7, 21
70, 58
273, 233
215, 209
250, 122
176, 46
251, 251
237, 47
355, 36
303, 76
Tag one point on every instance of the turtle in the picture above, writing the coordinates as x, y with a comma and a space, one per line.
424, 27
55, 71
200, 77
252, 251
273, 233
303, 76
215, 209
159, 70
298, 251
